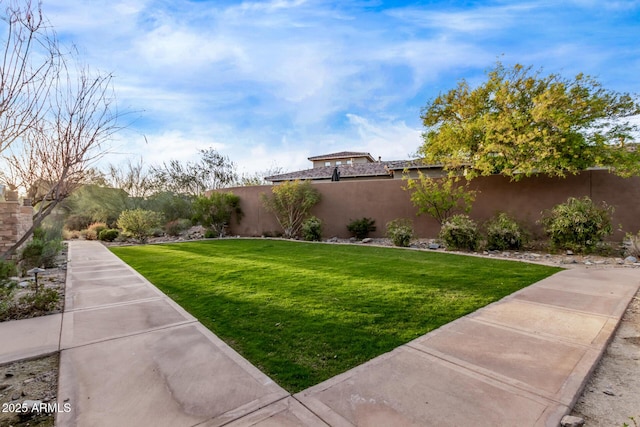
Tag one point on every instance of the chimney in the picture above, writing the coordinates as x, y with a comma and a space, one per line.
379, 159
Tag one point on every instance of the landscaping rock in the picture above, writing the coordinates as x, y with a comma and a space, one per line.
571, 421
367, 240
569, 252
569, 261
434, 246
631, 259
333, 240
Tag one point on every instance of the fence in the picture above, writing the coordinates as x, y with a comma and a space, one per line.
384, 200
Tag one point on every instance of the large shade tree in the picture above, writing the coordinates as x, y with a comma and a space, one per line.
520, 122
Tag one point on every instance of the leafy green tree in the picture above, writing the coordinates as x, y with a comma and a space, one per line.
172, 206
291, 203
520, 123
213, 171
440, 197
215, 212
101, 204
139, 223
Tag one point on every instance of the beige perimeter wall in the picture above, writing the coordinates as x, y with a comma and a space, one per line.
384, 200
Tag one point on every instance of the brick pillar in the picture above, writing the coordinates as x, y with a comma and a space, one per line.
15, 220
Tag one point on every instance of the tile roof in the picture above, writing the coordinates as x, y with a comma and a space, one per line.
377, 169
340, 155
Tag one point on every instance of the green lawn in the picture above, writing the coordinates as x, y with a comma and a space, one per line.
304, 312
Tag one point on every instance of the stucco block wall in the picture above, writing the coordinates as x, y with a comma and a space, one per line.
384, 200
15, 220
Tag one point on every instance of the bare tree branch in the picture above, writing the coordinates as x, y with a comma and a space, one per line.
29, 57
55, 157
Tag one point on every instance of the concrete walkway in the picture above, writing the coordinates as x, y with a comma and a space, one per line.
132, 357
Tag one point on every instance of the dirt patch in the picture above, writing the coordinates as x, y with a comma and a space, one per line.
29, 381
612, 394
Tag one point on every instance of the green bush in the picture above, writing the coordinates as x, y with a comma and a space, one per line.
578, 224
45, 300
7, 269
215, 212
361, 228
312, 229
31, 254
460, 232
503, 232
177, 226
400, 231
109, 235
139, 223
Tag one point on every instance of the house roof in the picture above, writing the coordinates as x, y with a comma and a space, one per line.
341, 155
376, 169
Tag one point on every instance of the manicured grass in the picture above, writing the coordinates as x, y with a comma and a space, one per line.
304, 312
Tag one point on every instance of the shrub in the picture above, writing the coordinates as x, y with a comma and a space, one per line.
400, 231
503, 232
31, 254
460, 232
45, 300
7, 269
71, 234
139, 223
50, 252
93, 231
578, 224
312, 229
109, 235
291, 203
361, 228
440, 197
632, 244
77, 222
215, 212
177, 226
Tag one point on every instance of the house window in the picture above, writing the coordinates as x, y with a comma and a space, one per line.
349, 162
338, 163
327, 163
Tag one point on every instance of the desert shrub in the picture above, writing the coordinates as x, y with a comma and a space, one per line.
31, 253
632, 244
50, 252
291, 203
7, 269
93, 231
400, 231
503, 232
361, 228
43, 301
578, 224
109, 235
139, 223
71, 234
312, 229
177, 226
77, 222
460, 232
215, 212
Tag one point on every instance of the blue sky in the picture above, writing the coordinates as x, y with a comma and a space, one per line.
274, 82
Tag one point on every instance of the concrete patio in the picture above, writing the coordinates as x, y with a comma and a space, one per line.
131, 356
